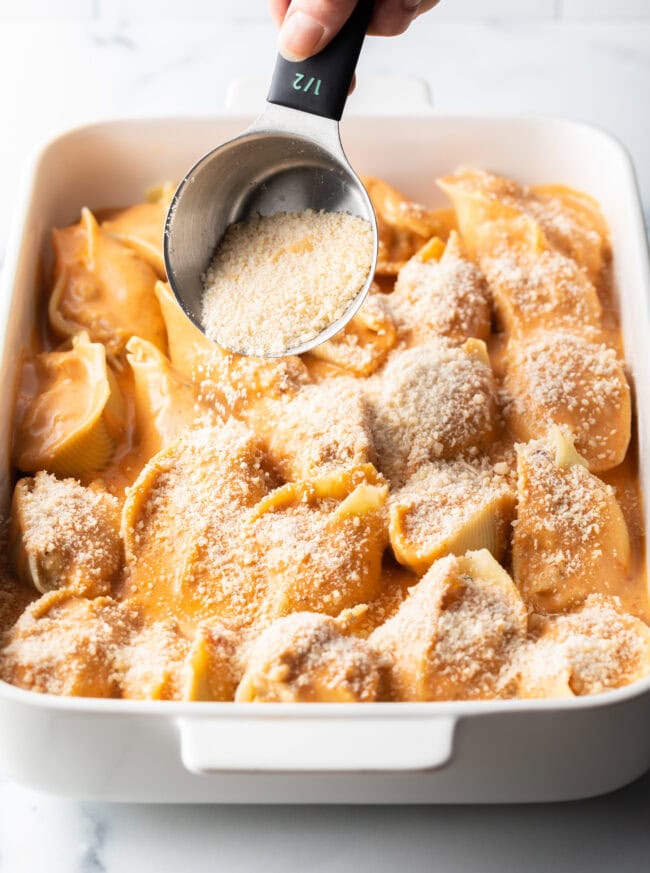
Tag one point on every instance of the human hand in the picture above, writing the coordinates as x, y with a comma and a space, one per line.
307, 26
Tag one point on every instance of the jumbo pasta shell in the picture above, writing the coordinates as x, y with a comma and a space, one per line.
62, 427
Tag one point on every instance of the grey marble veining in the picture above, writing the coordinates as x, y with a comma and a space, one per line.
599, 835
71, 71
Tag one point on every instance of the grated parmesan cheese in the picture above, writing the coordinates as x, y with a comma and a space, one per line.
278, 281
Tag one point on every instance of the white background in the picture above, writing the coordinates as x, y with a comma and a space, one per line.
66, 62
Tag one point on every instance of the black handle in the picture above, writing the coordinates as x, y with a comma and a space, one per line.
320, 84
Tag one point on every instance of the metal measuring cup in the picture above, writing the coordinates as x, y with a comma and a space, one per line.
289, 160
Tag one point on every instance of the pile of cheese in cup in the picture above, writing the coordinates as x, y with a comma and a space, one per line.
278, 281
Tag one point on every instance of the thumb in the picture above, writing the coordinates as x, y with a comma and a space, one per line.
309, 25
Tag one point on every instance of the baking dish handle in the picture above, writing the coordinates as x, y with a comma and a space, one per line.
307, 743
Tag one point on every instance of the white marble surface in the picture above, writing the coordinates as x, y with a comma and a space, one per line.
66, 70
605, 835
62, 72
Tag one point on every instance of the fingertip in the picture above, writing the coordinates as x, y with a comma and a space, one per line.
300, 36
288, 55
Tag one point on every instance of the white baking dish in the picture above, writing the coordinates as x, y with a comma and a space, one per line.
377, 753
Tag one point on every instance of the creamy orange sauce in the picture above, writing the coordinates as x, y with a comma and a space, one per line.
249, 492
633, 590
